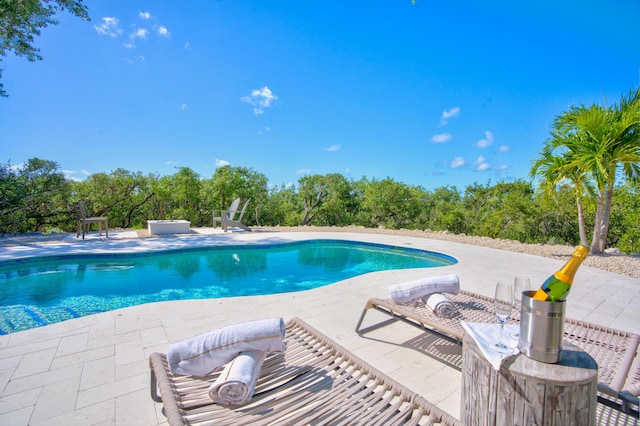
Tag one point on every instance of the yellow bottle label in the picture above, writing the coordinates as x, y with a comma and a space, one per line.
540, 295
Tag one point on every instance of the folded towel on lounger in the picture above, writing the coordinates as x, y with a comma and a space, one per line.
440, 305
204, 353
237, 382
406, 292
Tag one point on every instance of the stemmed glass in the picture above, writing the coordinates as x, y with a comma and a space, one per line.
503, 303
520, 284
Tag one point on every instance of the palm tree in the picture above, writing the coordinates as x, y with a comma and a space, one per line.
555, 167
602, 142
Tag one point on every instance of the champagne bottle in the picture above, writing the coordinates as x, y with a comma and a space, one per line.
557, 286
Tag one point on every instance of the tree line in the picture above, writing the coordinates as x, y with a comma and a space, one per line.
590, 148
38, 198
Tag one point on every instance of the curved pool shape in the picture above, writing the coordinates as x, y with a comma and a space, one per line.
40, 291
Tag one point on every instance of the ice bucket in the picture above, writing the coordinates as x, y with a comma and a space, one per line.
541, 328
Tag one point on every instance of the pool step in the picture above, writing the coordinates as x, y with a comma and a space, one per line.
22, 317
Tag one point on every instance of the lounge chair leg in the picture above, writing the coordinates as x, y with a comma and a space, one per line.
364, 312
153, 387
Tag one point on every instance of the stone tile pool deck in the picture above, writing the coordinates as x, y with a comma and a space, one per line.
94, 370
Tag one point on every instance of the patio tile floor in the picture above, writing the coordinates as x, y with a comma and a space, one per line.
93, 370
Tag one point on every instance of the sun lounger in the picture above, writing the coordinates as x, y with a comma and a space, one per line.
615, 351
314, 381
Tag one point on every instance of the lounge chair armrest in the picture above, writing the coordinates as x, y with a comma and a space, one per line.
160, 379
628, 397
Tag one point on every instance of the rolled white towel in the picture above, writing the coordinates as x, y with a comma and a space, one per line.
237, 382
410, 290
204, 353
440, 305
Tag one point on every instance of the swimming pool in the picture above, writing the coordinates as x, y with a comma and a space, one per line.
43, 290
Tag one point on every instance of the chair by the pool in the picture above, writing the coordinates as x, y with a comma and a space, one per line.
229, 213
615, 351
314, 381
229, 221
85, 221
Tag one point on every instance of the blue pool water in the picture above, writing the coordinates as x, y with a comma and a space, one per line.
40, 291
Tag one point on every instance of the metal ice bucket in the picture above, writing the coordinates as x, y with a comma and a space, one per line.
541, 329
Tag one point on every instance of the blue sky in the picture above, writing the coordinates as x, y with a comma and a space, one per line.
430, 94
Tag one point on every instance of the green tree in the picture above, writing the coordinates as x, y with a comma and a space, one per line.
555, 217
229, 183
443, 210
281, 207
22, 20
120, 195
32, 197
605, 143
556, 166
624, 231
326, 199
182, 192
391, 204
503, 210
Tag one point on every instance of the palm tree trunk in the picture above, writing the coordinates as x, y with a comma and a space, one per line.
583, 233
606, 216
596, 244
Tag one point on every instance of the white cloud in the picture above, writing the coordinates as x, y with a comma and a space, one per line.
457, 163
110, 27
260, 99
441, 138
332, 148
303, 171
504, 149
144, 15
481, 164
222, 163
163, 31
139, 33
187, 46
503, 167
449, 113
486, 141
184, 106
76, 175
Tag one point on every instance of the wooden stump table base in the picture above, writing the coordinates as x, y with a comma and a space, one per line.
527, 392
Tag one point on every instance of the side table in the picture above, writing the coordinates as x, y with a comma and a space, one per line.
527, 392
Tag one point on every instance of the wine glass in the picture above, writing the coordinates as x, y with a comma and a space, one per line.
520, 284
503, 303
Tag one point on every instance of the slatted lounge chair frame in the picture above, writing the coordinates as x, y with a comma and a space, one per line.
229, 221
314, 381
615, 351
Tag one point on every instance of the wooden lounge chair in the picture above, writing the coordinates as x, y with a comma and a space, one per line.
615, 351
230, 213
314, 381
85, 221
228, 221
